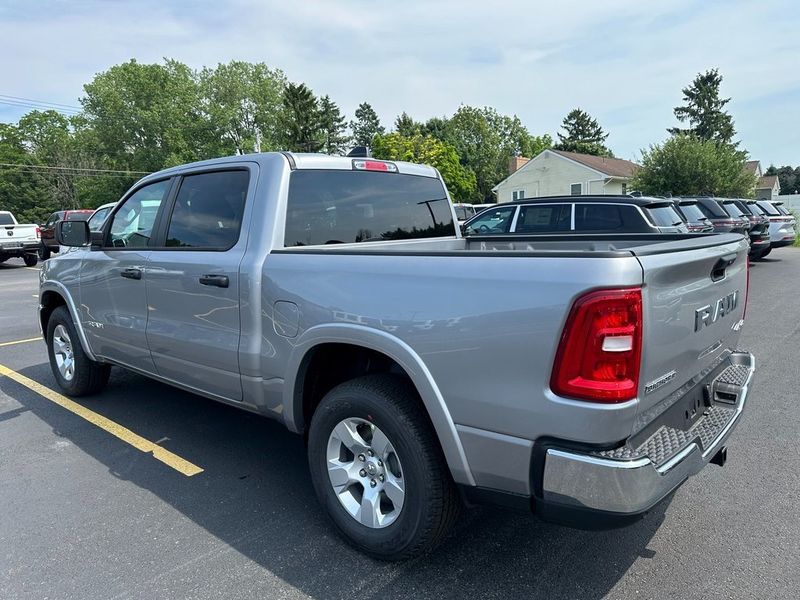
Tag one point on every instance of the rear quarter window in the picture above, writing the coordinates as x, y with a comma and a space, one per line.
542, 218
340, 207
622, 218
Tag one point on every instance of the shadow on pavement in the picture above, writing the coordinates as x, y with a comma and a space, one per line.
255, 496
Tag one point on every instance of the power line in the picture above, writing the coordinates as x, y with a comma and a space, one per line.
68, 106
15, 103
55, 168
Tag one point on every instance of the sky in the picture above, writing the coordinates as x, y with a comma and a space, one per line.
623, 61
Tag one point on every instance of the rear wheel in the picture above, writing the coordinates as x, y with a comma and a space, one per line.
767, 251
378, 470
30, 260
75, 372
44, 252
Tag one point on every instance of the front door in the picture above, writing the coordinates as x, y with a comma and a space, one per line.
113, 301
193, 284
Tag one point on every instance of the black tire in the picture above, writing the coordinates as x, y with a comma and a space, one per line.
767, 251
89, 377
30, 260
432, 502
44, 252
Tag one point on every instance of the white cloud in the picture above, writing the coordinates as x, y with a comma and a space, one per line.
624, 61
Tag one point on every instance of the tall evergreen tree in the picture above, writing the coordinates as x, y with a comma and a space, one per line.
582, 134
366, 125
406, 126
704, 110
301, 119
333, 125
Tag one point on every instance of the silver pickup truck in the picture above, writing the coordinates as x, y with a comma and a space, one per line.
584, 377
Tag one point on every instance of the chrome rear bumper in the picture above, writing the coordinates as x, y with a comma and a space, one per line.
633, 486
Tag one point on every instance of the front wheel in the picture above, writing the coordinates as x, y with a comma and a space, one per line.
378, 470
75, 372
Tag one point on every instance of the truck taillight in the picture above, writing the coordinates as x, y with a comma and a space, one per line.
599, 356
38, 233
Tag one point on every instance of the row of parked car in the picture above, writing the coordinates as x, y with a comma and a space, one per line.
767, 224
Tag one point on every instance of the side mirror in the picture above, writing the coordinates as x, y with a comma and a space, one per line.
72, 233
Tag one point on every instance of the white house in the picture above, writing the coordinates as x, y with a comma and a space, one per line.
555, 173
768, 187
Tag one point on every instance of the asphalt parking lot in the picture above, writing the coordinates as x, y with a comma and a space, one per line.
83, 514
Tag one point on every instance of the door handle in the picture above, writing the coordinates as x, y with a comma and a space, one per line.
131, 273
215, 280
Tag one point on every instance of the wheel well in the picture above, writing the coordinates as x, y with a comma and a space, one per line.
327, 365
50, 301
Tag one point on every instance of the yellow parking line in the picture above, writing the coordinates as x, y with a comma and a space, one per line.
126, 435
20, 341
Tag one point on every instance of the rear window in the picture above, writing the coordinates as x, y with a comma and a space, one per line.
664, 216
541, 218
711, 208
782, 209
5, 219
622, 218
755, 208
464, 212
339, 207
768, 208
692, 212
733, 210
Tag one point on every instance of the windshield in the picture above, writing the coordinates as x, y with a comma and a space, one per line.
339, 207
664, 216
692, 212
5, 219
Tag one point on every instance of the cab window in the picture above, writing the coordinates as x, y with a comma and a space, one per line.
132, 223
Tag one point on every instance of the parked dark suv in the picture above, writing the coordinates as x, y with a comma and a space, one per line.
721, 219
759, 225
696, 219
579, 214
49, 243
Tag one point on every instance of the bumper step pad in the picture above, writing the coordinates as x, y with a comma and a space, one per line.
667, 441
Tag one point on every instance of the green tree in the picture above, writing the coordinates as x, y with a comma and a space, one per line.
366, 125
686, 165
333, 125
406, 126
241, 102
22, 190
301, 120
146, 117
430, 151
788, 177
582, 134
704, 110
485, 140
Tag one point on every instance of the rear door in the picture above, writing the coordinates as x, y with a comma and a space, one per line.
193, 281
694, 298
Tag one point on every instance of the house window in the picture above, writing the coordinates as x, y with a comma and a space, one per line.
576, 189
517, 195
624, 189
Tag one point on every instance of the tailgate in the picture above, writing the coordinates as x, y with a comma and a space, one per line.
18, 233
693, 302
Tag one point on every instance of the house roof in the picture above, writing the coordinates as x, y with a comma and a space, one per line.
751, 166
768, 182
613, 167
